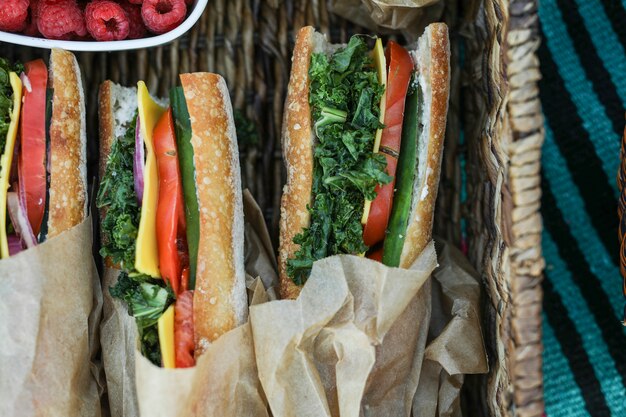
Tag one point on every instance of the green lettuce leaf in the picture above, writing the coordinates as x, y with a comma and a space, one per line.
146, 300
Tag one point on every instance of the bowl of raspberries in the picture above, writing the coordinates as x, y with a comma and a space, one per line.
96, 25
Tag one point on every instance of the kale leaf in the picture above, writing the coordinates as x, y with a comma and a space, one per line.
6, 98
345, 101
117, 195
146, 300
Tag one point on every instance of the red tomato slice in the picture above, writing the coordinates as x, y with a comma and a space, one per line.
169, 226
32, 154
183, 330
380, 210
399, 75
376, 254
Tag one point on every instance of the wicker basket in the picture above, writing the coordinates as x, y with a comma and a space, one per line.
494, 101
504, 135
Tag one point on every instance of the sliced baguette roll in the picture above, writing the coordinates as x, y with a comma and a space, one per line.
220, 300
298, 140
68, 145
432, 59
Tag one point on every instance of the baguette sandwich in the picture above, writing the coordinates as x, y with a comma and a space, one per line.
43, 181
362, 143
172, 214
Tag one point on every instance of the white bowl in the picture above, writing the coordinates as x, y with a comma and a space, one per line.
95, 46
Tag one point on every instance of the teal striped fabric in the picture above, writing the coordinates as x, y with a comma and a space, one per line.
583, 93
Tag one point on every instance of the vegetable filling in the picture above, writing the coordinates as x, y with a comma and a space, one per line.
147, 298
345, 101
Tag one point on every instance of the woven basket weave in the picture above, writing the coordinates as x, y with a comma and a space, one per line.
494, 100
504, 138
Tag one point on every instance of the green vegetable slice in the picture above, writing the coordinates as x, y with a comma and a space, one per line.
405, 177
43, 231
188, 174
146, 300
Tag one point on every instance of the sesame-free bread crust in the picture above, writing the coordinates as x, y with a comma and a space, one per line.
219, 302
433, 64
68, 145
106, 124
297, 143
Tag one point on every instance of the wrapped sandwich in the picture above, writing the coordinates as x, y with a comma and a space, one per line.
172, 217
175, 336
51, 300
362, 142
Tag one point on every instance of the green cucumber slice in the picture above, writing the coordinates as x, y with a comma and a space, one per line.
405, 176
43, 230
188, 174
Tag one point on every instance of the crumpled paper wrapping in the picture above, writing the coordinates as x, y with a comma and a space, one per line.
375, 338
361, 340
455, 346
50, 310
385, 16
224, 381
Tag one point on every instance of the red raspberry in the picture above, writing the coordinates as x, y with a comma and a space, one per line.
60, 19
13, 15
135, 1
33, 16
161, 16
137, 28
106, 20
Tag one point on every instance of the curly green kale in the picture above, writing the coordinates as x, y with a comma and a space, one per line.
345, 100
147, 298
117, 195
6, 97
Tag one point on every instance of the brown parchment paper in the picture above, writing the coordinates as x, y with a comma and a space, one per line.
384, 16
363, 339
49, 313
224, 381
455, 346
315, 354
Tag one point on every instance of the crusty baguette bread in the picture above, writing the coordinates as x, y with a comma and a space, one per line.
432, 59
220, 302
298, 140
116, 107
68, 145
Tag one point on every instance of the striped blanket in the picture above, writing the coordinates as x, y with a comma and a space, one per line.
583, 92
